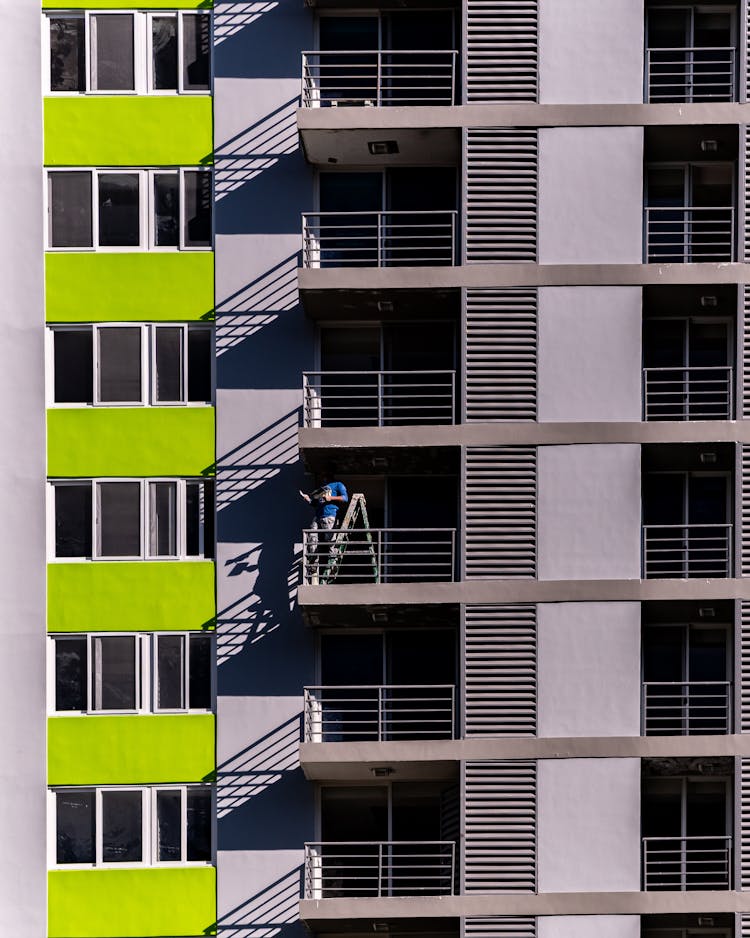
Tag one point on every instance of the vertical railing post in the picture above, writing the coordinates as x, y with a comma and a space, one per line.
380, 238
730, 395
380, 870
644, 704
381, 737
454, 69
378, 80
380, 398
683, 863
453, 397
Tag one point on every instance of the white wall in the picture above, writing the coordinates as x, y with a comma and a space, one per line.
588, 926
590, 195
590, 52
589, 825
589, 512
589, 353
579, 692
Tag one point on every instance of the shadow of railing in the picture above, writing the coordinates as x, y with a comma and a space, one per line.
273, 912
232, 16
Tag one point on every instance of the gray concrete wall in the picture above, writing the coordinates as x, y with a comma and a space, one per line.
590, 52
588, 837
579, 692
589, 353
588, 926
588, 512
590, 195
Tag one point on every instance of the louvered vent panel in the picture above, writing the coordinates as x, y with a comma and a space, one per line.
746, 150
501, 195
744, 926
745, 667
500, 842
500, 927
501, 51
746, 357
501, 346
500, 507
500, 681
744, 877
745, 511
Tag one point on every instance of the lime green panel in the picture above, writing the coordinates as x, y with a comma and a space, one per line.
112, 287
142, 595
128, 131
130, 750
144, 441
145, 902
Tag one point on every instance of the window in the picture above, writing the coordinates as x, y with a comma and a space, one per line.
132, 825
133, 519
131, 364
137, 209
129, 52
131, 673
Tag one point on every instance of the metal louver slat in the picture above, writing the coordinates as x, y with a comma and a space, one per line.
745, 390
500, 676
744, 922
500, 512
501, 51
744, 669
501, 355
744, 827
500, 834
745, 182
745, 511
505, 926
501, 168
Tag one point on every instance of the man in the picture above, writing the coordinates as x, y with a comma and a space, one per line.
327, 499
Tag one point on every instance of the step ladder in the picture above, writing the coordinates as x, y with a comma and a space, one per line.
340, 541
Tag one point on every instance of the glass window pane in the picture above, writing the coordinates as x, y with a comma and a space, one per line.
75, 826
67, 53
167, 209
199, 365
197, 209
208, 518
70, 210
170, 676
112, 66
169, 363
196, 49
119, 211
163, 519
120, 364
193, 518
115, 673
70, 673
119, 519
200, 672
122, 827
169, 825
74, 368
198, 825
73, 520
164, 51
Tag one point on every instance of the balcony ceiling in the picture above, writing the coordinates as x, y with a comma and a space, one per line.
416, 147
381, 305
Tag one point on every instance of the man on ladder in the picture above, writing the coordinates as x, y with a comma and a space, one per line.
327, 498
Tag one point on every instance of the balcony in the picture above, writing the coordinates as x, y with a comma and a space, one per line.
689, 234
686, 708
686, 863
689, 393
682, 551
691, 75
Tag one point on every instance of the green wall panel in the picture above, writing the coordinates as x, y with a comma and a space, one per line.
143, 441
148, 902
142, 595
130, 750
108, 287
137, 130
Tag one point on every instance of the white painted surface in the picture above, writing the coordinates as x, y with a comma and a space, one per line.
588, 926
580, 693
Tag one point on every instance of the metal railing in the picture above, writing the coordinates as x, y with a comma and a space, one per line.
686, 708
689, 74
688, 393
687, 863
689, 234
379, 555
681, 551
377, 869
385, 78
379, 239
379, 713
378, 398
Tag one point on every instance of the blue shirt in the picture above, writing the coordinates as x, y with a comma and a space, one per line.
330, 509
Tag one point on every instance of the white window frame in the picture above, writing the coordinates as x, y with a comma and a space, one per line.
97, 364
149, 832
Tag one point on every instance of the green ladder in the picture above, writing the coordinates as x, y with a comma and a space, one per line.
340, 540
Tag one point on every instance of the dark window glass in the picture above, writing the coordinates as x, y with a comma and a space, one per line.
200, 672
70, 673
170, 677
112, 48
198, 825
70, 210
119, 212
169, 363
167, 209
199, 365
164, 50
197, 209
163, 519
114, 677
67, 57
74, 367
193, 518
122, 827
169, 825
120, 364
73, 520
119, 521
75, 826
208, 521
196, 50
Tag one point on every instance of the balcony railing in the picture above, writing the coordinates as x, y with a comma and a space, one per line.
690, 393
379, 239
687, 708
686, 75
379, 713
689, 235
379, 555
374, 870
378, 398
386, 78
681, 551
683, 863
